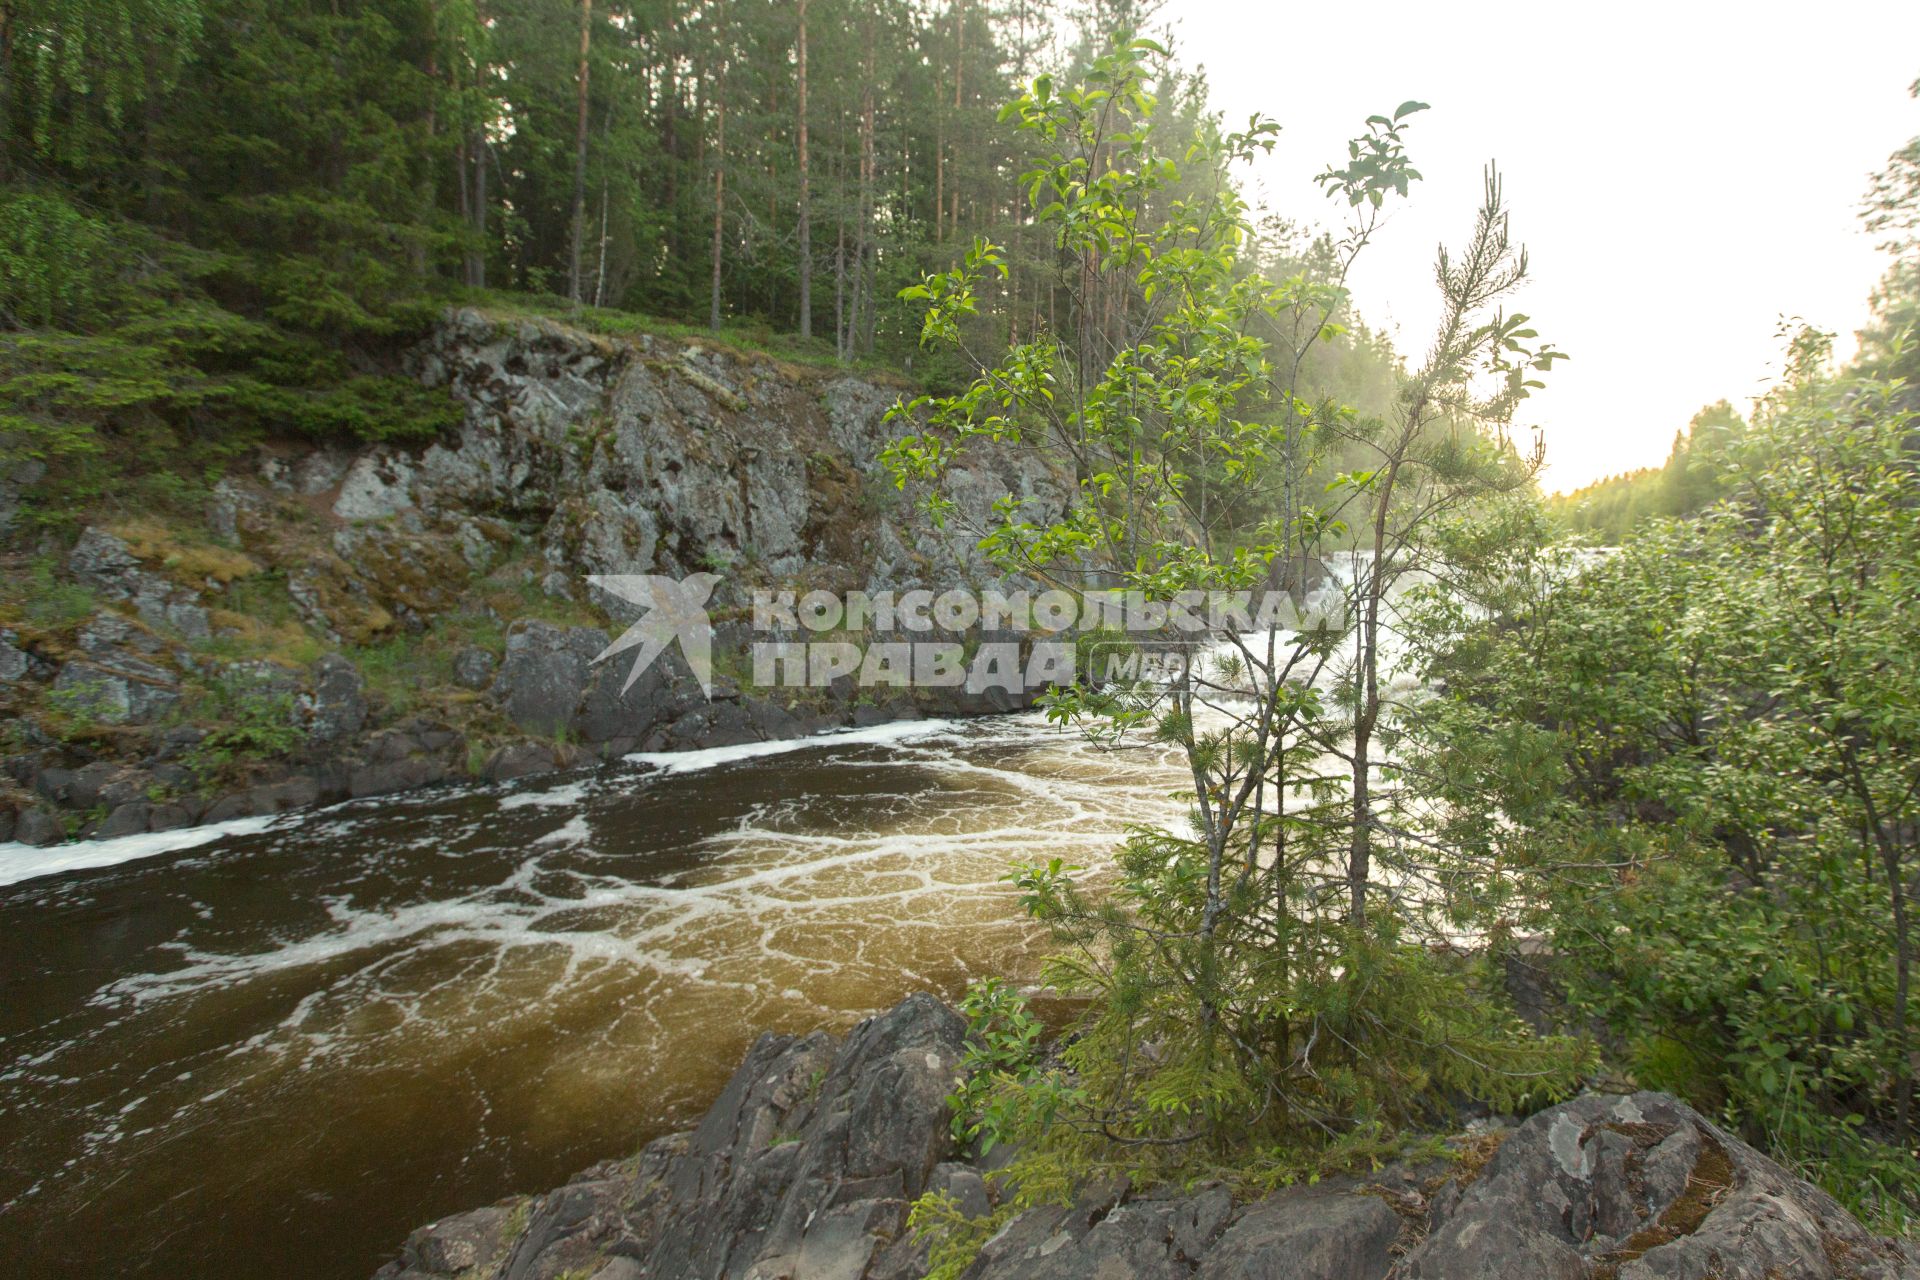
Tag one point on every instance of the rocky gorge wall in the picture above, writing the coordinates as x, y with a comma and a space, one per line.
353, 621
806, 1165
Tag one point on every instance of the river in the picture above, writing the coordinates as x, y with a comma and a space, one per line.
276, 1052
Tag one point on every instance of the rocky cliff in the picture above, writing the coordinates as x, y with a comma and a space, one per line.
347, 622
806, 1165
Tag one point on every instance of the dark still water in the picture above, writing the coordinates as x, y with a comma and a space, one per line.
275, 1053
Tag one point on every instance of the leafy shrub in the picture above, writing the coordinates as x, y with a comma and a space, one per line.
255, 721
1706, 751
1003, 1043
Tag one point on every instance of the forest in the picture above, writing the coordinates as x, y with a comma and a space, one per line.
1663, 731
220, 213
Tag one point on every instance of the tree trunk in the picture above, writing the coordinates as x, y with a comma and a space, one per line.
959, 77
862, 301
806, 194
1903, 968
580, 157
719, 178
939, 158
417, 251
6, 93
477, 257
1360, 848
719, 221
600, 271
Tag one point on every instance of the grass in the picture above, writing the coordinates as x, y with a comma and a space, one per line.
513, 592
399, 670
185, 553
38, 601
407, 672
751, 337
259, 621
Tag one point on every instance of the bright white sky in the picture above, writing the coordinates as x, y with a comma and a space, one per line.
1683, 174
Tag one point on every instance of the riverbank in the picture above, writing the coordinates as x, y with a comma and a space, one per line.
319, 623
808, 1164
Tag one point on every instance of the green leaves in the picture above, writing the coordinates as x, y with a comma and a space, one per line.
1377, 164
1708, 748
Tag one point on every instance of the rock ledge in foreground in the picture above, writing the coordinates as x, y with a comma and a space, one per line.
805, 1168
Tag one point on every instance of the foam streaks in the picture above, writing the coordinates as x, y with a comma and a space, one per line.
408, 1006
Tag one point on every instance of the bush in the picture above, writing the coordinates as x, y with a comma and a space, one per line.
1706, 754
255, 722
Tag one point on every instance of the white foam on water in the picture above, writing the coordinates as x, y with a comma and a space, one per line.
571, 793
576, 830
578, 956
714, 757
20, 862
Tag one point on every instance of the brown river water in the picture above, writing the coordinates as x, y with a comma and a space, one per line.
275, 1053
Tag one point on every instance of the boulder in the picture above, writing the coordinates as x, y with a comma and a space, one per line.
128, 819
336, 710
39, 827
803, 1169
546, 671
1643, 1188
473, 668
14, 662
103, 784
523, 759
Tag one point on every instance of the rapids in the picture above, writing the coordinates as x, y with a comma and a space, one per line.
275, 1049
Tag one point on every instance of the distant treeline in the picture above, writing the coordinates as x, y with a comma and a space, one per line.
1889, 351
1607, 509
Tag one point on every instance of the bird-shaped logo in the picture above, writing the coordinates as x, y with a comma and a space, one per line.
676, 610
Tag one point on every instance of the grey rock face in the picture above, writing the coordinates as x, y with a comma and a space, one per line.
473, 668
805, 1166
545, 673
14, 662
1097, 1237
129, 691
160, 604
337, 708
377, 485
1328, 1235
804, 1169
101, 560
108, 566
669, 457
469, 1243
1646, 1186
